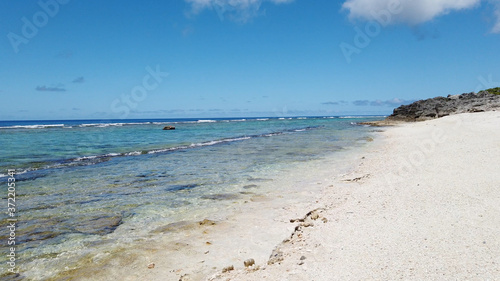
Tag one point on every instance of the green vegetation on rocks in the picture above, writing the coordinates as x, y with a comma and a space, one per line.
495, 91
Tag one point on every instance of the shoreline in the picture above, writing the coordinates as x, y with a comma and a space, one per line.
421, 205
364, 213
213, 240
125, 213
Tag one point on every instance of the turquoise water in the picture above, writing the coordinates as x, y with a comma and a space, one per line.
79, 182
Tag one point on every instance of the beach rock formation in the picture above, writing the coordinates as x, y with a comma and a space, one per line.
99, 225
421, 110
169, 128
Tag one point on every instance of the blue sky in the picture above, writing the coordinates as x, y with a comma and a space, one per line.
69, 59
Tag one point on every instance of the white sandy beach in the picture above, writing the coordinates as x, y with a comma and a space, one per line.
424, 204
421, 202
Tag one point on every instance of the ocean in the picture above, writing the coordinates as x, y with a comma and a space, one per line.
85, 187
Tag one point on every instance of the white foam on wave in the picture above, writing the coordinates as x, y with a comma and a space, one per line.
199, 144
101, 125
208, 143
167, 149
206, 121
18, 172
272, 134
85, 158
34, 126
262, 119
214, 142
104, 125
133, 153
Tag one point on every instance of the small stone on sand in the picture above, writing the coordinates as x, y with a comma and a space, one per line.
206, 222
249, 262
227, 269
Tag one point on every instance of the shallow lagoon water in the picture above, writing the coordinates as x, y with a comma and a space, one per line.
88, 188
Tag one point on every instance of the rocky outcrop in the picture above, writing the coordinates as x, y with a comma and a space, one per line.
169, 128
441, 106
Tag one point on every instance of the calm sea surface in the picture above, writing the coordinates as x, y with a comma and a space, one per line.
79, 183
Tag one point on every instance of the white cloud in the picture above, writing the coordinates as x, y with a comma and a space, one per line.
496, 28
411, 11
237, 10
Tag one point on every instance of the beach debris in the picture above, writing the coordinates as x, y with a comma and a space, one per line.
357, 178
227, 269
276, 257
185, 277
206, 222
169, 128
208, 243
313, 215
302, 258
151, 266
325, 220
307, 224
249, 262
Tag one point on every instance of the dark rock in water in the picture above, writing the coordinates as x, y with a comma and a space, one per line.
221, 196
178, 187
169, 128
39, 230
250, 186
99, 225
441, 106
259, 179
41, 235
7, 276
28, 176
